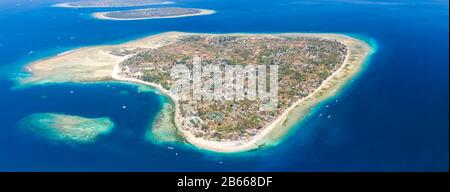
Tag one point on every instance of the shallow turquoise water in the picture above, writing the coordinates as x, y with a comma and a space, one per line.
393, 117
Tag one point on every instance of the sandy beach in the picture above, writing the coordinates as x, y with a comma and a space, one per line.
87, 64
103, 16
92, 64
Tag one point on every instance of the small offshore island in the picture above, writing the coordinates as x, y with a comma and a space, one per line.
67, 129
110, 3
152, 13
313, 67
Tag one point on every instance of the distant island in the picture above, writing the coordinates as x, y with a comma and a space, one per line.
67, 129
152, 13
110, 3
313, 67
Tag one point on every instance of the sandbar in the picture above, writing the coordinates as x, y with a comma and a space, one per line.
67, 129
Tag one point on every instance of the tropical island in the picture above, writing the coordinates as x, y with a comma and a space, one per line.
110, 3
312, 67
67, 129
152, 13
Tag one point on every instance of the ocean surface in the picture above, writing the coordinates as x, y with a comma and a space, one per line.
392, 117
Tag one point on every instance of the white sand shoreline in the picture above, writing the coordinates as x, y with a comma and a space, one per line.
103, 15
358, 52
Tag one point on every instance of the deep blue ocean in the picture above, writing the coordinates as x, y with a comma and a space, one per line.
392, 117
